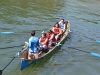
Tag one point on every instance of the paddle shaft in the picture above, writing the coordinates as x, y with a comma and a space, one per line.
79, 50
9, 63
87, 37
11, 47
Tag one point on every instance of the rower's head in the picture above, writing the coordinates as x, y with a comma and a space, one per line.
62, 20
43, 34
33, 33
56, 25
49, 31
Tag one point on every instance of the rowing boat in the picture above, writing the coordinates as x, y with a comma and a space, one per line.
24, 52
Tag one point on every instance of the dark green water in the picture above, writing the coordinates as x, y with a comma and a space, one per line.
40, 15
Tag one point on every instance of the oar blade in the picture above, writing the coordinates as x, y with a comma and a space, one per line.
98, 41
7, 32
0, 72
95, 54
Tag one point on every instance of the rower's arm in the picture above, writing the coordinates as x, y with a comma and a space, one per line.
51, 37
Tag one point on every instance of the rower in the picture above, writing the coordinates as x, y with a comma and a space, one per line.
43, 42
50, 35
57, 31
33, 45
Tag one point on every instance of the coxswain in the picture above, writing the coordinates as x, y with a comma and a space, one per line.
62, 25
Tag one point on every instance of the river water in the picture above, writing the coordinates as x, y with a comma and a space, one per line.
22, 16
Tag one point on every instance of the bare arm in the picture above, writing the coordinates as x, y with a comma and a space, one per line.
51, 37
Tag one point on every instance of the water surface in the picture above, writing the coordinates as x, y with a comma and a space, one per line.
22, 16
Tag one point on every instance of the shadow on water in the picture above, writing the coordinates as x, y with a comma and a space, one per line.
33, 69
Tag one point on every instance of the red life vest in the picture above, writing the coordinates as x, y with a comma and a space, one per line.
43, 39
49, 35
56, 30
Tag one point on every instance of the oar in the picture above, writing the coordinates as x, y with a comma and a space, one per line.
11, 47
92, 53
89, 38
8, 63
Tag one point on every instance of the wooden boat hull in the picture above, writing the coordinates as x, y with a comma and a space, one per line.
23, 54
